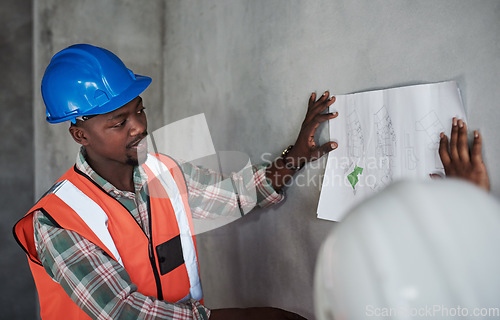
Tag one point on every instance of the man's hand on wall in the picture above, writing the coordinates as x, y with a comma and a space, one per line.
305, 148
461, 162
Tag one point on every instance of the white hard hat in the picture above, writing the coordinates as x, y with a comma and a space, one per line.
416, 250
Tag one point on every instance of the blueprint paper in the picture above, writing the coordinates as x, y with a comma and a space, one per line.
384, 136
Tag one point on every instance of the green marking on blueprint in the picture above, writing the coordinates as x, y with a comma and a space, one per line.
353, 176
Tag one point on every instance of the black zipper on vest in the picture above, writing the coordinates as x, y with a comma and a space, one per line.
152, 259
159, 291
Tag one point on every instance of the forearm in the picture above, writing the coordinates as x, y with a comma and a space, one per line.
211, 195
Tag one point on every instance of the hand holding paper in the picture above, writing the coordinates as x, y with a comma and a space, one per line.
458, 161
385, 136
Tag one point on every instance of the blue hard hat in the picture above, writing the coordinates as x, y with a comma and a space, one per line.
84, 80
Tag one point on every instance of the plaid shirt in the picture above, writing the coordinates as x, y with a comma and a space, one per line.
102, 287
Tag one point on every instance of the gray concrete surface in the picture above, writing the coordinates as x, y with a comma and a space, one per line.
250, 67
16, 156
131, 29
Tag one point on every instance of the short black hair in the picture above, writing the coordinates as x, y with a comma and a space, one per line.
83, 118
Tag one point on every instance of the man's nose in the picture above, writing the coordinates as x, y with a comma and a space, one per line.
137, 125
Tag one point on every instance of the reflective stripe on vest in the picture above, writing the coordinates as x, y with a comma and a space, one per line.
97, 220
78, 204
188, 250
90, 212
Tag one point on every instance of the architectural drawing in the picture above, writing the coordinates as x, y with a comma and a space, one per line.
353, 176
385, 149
433, 127
410, 158
355, 139
385, 136
355, 148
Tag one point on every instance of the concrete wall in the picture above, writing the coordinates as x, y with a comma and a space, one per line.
16, 156
131, 29
250, 67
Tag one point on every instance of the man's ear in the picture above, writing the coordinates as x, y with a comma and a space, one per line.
79, 134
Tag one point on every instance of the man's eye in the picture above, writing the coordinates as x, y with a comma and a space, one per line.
119, 124
141, 111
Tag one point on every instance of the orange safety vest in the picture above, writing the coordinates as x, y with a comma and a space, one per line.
163, 264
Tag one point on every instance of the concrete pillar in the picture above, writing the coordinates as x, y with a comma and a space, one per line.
16, 155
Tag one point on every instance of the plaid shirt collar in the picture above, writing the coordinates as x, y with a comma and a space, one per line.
139, 176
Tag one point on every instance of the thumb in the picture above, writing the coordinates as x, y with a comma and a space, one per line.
324, 149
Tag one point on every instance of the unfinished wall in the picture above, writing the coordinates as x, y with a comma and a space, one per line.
250, 66
131, 29
16, 155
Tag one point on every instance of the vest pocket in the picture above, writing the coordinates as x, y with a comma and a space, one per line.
170, 255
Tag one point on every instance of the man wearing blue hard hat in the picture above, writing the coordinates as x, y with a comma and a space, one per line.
113, 238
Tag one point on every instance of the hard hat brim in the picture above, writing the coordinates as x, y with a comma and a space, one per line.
135, 89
